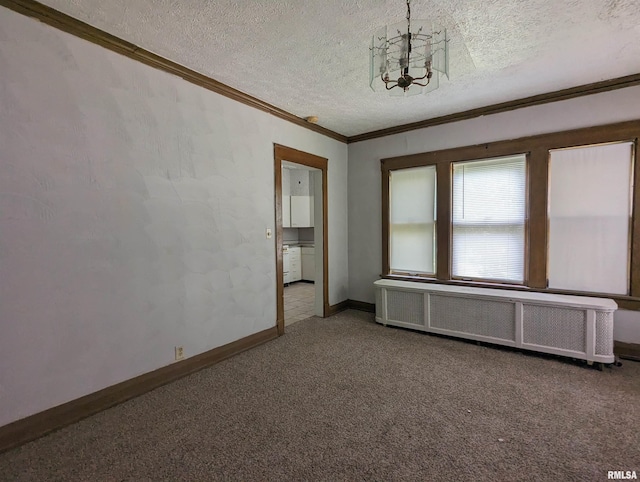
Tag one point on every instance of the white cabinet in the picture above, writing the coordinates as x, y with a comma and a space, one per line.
301, 211
295, 264
308, 264
286, 211
285, 265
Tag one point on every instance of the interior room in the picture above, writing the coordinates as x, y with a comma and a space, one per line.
298, 242
338, 240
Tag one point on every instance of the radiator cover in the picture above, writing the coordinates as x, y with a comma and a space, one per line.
574, 326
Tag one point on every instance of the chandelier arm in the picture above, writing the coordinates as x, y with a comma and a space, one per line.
408, 33
387, 82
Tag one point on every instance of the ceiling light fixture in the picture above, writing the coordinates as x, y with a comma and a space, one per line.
409, 56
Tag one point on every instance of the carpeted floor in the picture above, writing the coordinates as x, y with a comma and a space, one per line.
346, 399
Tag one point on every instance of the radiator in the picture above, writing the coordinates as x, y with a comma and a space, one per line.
574, 326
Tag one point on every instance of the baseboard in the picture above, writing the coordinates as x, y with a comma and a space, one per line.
35, 426
331, 310
362, 306
349, 305
630, 351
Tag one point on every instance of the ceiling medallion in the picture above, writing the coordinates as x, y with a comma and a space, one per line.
407, 59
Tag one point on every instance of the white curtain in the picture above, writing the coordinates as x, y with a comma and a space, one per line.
412, 220
589, 218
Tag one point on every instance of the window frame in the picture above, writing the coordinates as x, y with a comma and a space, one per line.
536, 148
632, 207
435, 231
526, 227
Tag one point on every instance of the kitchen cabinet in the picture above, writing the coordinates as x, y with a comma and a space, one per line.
301, 211
285, 265
295, 264
286, 211
308, 264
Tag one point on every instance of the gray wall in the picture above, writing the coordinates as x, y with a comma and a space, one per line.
365, 227
133, 209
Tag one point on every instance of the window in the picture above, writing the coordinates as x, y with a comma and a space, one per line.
590, 195
412, 220
552, 213
488, 219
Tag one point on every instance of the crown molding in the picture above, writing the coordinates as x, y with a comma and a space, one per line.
558, 95
66, 23
61, 21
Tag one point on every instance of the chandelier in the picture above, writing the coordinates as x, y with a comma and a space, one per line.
407, 58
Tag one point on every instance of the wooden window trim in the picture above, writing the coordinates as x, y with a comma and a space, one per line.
526, 232
283, 153
536, 229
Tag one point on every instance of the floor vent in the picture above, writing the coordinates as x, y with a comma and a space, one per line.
574, 326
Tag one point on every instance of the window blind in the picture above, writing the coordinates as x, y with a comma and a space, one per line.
590, 193
412, 223
488, 219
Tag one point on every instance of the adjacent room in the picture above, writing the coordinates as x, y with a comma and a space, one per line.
337, 240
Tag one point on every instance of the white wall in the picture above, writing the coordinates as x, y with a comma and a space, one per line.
365, 226
133, 209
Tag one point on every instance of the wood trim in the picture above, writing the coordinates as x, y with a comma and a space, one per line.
443, 229
634, 274
624, 303
40, 424
284, 153
538, 223
558, 95
279, 237
443, 221
630, 351
629, 130
537, 149
386, 233
66, 23
337, 308
299, 157
325, 239
362, 306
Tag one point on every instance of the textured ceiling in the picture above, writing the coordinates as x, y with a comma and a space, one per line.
310, 57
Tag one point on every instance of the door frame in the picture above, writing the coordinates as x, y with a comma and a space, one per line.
283, 153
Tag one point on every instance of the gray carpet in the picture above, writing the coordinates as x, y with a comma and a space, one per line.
346, 399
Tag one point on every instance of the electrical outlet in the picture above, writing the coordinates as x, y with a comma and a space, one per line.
179, 353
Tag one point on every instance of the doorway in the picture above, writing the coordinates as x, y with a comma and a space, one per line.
314, 170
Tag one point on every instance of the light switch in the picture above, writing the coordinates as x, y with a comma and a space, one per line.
268, 233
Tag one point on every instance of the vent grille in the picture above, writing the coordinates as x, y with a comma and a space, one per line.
406, 307
604, 333
475, 316
554, 327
